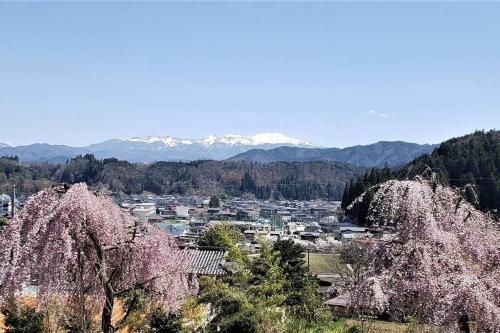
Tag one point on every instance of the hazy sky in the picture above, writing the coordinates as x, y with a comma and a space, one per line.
336, 74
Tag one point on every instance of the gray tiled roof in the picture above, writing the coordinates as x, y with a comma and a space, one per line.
206, 262
342, 300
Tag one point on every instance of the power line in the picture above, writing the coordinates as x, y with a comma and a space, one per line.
457, 179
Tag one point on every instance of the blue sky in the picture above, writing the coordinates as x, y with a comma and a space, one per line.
336, 74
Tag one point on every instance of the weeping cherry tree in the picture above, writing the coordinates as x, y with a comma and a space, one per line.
70, 243
441, 264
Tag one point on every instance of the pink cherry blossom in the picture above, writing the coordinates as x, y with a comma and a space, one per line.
441, 264
69, 241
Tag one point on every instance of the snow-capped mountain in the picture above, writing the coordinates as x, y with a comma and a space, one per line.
4, 145
263, 147
167, 148
230, 140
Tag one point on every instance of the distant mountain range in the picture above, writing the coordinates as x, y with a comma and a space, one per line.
158, 148
394, 153
155, 148
43, 152
263, 147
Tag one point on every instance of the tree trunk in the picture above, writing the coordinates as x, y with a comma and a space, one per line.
107, 312
83, 324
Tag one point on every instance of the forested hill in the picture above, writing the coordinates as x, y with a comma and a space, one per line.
472, 159
471, 162
393, 153
290, 180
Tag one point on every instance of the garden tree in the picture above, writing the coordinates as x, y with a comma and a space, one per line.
160, 321
262, 295
223, 237
301, 295
322, 245
352, 263
441, 265
233, 309
71, 242
249, 301
214, 202
22, 317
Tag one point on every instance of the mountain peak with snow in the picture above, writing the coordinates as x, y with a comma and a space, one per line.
229, 140
170, 148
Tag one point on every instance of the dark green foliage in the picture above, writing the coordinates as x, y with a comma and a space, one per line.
291, 187
248, 183
244, 299
374, 155
223, 237
289, 180
244, 322
162, 322
472, 159
269, 292
471, 162
22, 319
27, 178
301, 287
235, 310
214, 202
355, 187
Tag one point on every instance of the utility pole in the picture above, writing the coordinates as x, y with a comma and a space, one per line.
13, 204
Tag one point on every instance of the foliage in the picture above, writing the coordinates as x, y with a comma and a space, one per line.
194, 316
471, 162
323, 179
214, 202
247, 300
231, 303
473, 159
27, 178
301, 287
224, 237
442, 263
20, 317
268, 294
354, 260
291, 187
355, 187
161, 321
72, 240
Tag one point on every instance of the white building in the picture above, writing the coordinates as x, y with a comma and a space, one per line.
5, 205
144, 211
182, 212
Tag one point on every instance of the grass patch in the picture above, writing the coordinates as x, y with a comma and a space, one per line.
369, 326
322, 263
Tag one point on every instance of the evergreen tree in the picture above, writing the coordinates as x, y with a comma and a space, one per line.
301, 287
214, 202
248, 183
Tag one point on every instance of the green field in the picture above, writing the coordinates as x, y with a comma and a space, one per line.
368, 326
322, 263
